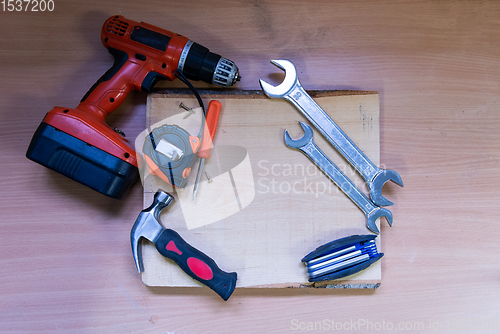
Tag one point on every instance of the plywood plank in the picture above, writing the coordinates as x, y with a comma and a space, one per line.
267, 205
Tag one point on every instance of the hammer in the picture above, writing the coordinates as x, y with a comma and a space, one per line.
170, 244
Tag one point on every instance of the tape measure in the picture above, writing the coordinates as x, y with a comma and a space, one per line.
170, 152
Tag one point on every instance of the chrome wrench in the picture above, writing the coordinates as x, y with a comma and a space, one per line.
307, 146
291, 90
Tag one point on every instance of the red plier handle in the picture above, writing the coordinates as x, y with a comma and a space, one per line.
211, 121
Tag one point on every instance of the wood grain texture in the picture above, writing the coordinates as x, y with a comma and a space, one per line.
65, 252
267, 206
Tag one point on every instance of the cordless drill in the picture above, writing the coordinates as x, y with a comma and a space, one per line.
80, 144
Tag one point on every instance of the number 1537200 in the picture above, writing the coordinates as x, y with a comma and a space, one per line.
27, 5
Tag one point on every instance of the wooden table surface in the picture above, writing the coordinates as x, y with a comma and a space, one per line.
65, 257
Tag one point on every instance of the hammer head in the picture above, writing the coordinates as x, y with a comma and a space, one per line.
147, 225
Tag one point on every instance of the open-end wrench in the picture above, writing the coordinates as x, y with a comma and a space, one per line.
291, 90
307, 146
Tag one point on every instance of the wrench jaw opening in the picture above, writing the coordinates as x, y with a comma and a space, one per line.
297, 144
378, 182
280, 91
372, 217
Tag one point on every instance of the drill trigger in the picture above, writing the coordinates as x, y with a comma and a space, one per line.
151, 80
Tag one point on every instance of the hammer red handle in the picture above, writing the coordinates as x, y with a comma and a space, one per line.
195, 263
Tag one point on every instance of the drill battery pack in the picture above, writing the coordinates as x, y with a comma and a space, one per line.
81, 162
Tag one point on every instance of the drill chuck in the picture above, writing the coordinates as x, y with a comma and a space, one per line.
226, 73
198, 63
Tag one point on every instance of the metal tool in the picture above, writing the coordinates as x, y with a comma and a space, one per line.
291, 90
190, 111
170, 244
342, 257
212, 119
208, 177
183, 106
307, 146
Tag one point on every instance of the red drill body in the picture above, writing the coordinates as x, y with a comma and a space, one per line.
144, 54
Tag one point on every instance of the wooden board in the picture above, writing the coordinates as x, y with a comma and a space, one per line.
267, 205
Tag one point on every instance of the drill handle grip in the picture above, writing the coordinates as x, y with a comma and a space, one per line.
195, 263
112, 88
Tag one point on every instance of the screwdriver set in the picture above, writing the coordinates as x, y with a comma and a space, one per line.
342, 257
